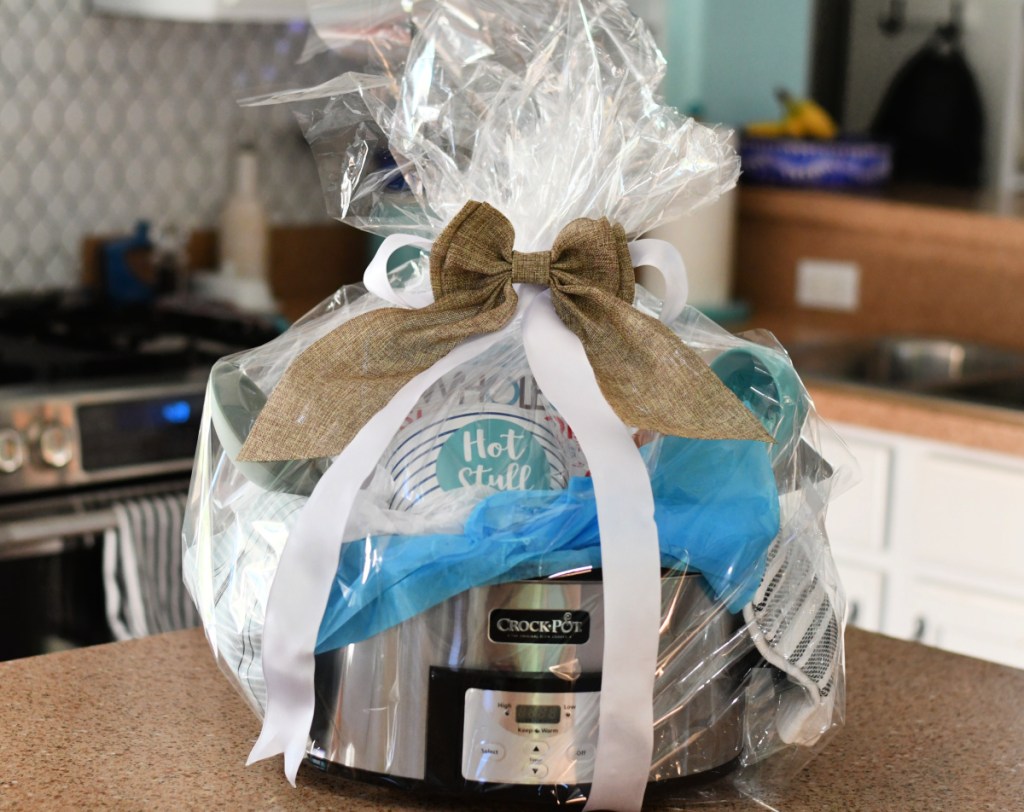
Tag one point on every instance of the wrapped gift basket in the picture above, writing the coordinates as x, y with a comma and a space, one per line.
499, 522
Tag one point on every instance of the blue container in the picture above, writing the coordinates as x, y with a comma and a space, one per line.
127, 263
815, 164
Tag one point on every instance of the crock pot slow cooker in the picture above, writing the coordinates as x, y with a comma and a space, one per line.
497, 690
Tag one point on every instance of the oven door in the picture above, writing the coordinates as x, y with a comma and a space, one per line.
53, 593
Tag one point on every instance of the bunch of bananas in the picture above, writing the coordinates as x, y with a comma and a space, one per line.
804, 118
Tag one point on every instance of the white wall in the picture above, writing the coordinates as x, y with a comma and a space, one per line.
727, 57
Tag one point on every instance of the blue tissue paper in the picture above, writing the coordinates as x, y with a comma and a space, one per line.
716, 508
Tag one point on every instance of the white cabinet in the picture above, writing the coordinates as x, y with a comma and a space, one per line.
857, 524
965, 620
966, 514
865, 597
930, 545
857, 520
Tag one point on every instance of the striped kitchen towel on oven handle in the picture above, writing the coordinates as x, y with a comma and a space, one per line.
142, 568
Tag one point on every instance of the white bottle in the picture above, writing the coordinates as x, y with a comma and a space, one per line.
243, 224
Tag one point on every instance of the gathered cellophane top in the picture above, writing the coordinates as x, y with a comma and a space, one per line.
548, 111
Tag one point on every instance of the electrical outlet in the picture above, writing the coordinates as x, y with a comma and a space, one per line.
828, 284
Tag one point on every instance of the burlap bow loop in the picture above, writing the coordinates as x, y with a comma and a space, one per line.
531, 268
479, 242
647, 374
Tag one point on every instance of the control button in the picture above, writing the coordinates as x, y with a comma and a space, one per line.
580, 752
491, 751
537, 771
536, 748
12, 451
55, 446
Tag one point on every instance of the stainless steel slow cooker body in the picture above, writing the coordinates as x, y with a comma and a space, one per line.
498, 687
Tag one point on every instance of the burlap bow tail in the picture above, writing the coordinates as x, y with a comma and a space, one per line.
647, 374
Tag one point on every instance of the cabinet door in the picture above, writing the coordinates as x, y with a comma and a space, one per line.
864, 588
967, 622
857, 519
964, 512
934, 537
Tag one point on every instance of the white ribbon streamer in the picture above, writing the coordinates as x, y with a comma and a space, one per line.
666, 260
629, 539
378, 282
630, 558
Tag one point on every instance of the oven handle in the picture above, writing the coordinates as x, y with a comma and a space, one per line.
20, 537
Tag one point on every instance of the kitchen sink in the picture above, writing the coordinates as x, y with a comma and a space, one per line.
941, 367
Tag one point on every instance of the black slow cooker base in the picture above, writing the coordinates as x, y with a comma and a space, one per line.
541, 796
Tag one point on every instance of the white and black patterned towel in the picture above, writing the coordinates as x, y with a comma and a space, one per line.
241, 562
795, 621
142, 568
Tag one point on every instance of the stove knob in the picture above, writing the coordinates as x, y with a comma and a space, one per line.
55, 446
12, 451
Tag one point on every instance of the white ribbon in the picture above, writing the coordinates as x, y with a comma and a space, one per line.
625, 507
378, 282
630, 557
666, 260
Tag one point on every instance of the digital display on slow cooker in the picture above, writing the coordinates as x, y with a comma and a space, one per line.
538, 714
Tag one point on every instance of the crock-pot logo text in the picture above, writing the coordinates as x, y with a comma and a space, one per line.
539, 626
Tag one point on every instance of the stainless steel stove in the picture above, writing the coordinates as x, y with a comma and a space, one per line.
91, 394
96, 402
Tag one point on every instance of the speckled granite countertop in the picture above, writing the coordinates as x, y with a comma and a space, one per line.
985, 428
153, 725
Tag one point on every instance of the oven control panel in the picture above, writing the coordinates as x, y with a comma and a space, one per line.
37, 444
71, 438
13, 450
529, 737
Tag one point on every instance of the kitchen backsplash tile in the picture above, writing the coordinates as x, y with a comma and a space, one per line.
105, 120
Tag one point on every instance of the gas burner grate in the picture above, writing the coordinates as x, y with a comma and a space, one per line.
60, 337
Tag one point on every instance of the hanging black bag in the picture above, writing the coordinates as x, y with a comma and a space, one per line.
932, 114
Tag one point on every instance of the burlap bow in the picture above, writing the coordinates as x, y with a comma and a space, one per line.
650, 378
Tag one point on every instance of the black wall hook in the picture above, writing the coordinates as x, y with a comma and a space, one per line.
951, 30
894, 21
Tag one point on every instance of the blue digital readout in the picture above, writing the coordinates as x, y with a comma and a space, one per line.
178, 411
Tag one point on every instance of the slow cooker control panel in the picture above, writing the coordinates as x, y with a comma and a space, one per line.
519, 735
536, 737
